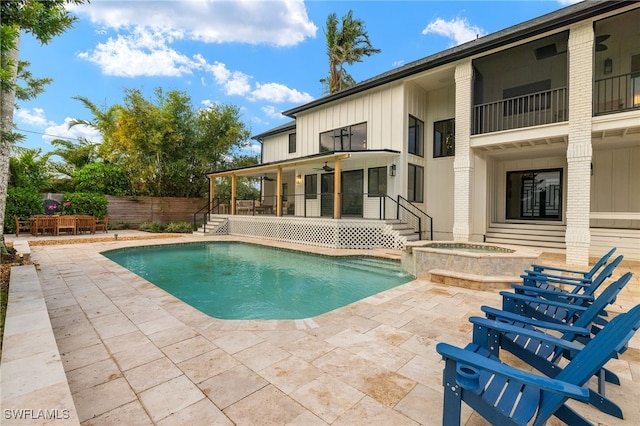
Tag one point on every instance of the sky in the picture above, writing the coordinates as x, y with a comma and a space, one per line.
263, 56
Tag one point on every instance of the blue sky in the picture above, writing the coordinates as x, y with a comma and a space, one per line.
264, 56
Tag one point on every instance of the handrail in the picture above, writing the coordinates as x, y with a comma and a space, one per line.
616, 94
419, 212
417, 227
210, 206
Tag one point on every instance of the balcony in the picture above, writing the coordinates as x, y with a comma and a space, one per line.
616, 94
533, 109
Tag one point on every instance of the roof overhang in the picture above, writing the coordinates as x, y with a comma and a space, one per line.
261, 169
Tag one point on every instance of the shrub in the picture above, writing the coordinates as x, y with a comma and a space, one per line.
22, 202
119, 225
88, 203
151, 227
179, 228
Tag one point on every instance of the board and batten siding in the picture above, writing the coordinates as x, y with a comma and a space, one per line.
616, 184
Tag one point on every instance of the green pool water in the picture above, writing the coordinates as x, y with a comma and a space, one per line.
244, 281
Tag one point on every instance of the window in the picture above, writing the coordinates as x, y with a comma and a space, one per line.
350, 138
635, 80
292, 142
285, 191
415, 187
416, 136
377, 181
310, 187
444, 138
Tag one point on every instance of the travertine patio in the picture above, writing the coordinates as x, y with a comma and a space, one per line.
136, 355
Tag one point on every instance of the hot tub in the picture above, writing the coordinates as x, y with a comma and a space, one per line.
468, 263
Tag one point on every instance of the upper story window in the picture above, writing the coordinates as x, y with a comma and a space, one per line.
444, 138
350, 138
292, 142
416, 136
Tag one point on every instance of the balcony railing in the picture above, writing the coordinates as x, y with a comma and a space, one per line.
534, 109
616, 94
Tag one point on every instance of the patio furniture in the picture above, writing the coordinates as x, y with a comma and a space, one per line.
44, 224
85, 224
550, 288
545, 356
21, 225
506, 395
102, 224
66, 223
581, 275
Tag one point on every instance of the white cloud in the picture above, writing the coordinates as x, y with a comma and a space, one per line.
62, 131
276, 22
272, 112
33, 117
141, 53
458, 29
398, 63
276, 92
568, 2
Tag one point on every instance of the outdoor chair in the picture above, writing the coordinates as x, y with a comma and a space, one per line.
551, 288
66, 223
85, 223
102, 224
45, 224
507, 395
542, 355
582, 276
21, 225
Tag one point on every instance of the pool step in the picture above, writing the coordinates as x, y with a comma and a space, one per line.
370, 264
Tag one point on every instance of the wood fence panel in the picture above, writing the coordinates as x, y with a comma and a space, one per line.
163, 210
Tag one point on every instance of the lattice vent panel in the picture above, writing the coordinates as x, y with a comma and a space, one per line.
319, 232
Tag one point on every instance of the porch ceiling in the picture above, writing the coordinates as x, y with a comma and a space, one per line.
514, 148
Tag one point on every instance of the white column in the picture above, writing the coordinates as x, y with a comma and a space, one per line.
463, 162
579, 150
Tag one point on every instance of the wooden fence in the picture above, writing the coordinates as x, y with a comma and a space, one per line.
163, 210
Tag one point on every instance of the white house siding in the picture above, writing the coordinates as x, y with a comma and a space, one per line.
378, 107
616, 183
276, 148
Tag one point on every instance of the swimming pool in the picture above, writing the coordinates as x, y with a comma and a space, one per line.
230, 280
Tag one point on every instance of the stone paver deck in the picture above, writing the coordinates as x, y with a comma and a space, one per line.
135, 355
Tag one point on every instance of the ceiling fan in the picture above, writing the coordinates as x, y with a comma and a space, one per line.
326, 167
267, 178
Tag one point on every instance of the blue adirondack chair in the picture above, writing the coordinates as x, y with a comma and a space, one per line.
505, 395
541, 293
584, 276
545, 356
549, 305
552, 284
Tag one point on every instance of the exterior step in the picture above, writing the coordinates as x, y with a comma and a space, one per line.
545, 237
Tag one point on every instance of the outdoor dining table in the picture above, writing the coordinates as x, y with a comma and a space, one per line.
53, 224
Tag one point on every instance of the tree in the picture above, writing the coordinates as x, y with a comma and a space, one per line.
164, 145
44, 19
30, 169
347, 42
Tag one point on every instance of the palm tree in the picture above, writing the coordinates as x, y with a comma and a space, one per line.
345, 44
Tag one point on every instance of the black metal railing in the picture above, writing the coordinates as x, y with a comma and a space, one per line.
211, 207
616, 94
425, 219
534, 109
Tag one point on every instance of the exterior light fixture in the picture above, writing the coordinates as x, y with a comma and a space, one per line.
298, 179
608, 66
392, 170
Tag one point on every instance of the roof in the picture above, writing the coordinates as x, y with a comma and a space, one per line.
554, 20
280, 129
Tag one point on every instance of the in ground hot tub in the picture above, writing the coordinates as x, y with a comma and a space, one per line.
472, 265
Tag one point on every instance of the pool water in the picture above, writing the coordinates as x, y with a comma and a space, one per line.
231, 280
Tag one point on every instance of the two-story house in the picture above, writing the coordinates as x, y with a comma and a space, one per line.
527, 136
